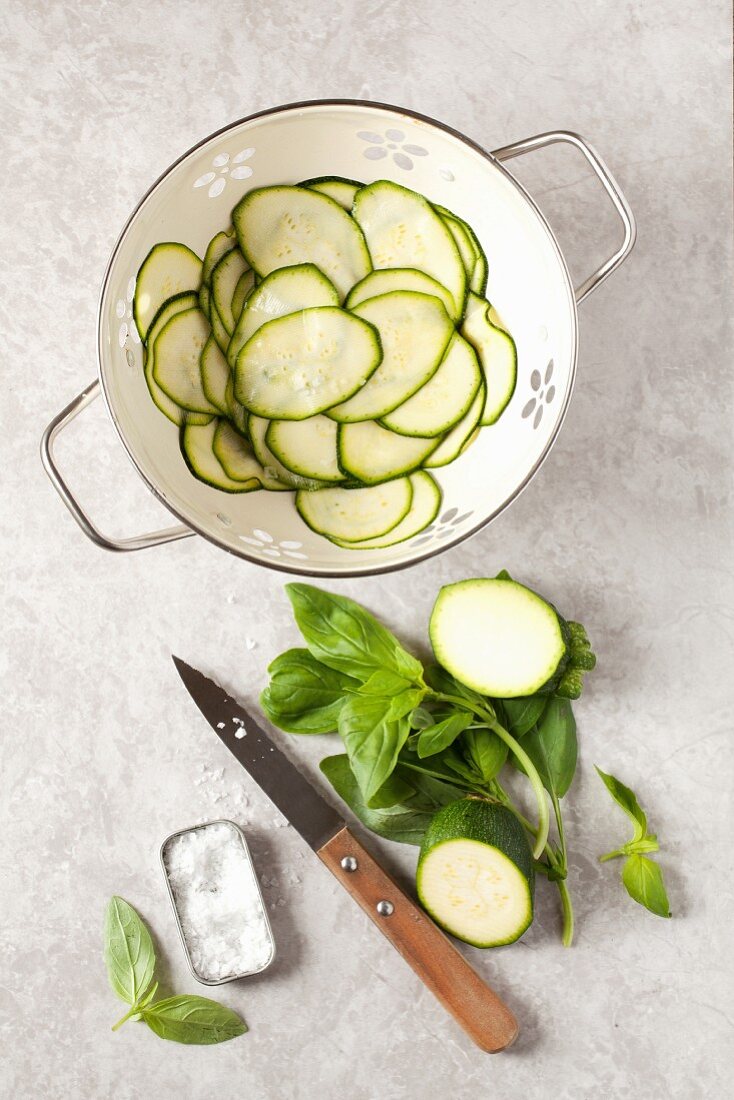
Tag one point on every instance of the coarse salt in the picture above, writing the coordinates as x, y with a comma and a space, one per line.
218, 901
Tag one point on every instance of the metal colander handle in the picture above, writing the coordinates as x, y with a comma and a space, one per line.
610, 185
137, 542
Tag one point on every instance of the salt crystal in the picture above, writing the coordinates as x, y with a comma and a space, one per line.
220, 725
239, 734
250, 643
218, 902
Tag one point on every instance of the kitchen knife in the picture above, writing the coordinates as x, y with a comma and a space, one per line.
429, 952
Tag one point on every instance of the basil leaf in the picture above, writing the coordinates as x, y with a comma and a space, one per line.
128, 951
485, 751
441, 680
403, 704
384, 682
405, 823
643, 880
625, 798
192, 1019
421, 718
346, 637
553, 748
522, 714
440, 735
372, 740
304, 695
395, 789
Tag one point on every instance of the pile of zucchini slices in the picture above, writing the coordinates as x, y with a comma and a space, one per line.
335, 341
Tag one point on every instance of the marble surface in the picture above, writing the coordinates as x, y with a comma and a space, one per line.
628, 527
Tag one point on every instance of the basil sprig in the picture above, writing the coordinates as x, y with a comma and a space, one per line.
130, 958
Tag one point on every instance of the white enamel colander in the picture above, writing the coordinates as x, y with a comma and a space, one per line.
529, 285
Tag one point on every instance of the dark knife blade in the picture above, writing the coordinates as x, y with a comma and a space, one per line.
271, 769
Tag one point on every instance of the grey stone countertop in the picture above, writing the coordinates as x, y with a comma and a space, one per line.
628, 527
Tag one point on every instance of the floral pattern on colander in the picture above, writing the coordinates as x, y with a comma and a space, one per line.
224, 167
390, 143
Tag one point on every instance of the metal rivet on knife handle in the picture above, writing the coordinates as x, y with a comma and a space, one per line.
349, 863
385, 908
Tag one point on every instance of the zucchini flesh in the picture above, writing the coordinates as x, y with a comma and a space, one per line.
219, 331
307, 447
219, 246
497, 637
197, 449
225, 277
352, 515
282, 226
234, 411
497, 356
336, 187
475, 873
414, 332
477, 274
236, 455
301, 364
178, 348
204, 300
444, 399
455, 441
287, 290
275, 471
169, 408
167, 270
215, 375
423, 510
403, 230
245, 284
373, 454
398, 278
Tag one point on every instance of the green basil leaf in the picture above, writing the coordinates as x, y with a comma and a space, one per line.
421, 718
304, 695
440, 680
192, 1019
372, 740
440, 735
404, 703
384, 682
405, 823
395, 789
625, 798
643, 880
346, 637
128, 952
485, 751
522, 714
553, 748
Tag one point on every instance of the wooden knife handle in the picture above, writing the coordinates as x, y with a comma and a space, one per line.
422, 944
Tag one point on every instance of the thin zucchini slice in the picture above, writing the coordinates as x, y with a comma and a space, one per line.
336, 187
225, 277
167, 270
475, 873
219, 246
169, 408
497, 636
444, 399
353, 515
372, 454
306, 447
235, 412
196, 448
278, 475
245, 284
478, 282
282, 226
497, 356
178, 347
398, 278
218, 330
478, 274
204, 299
414, 331
301, 364
215, 375
462, 240
287, 290
403, 230
235, 454
455, 442
423, 510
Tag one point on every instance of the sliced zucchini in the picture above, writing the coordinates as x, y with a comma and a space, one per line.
169, 408
245, 284
336, 187
462, 240
444, 399
414, 331
218, 330
398, 278
283, 226
497, 637
497, 356
475, 873
423, 510
219, 246
301, 364
276, 473
235, 412
215, 375
196, 447
478, 274
353, 515
178, 347
306, 447
235, 454
204, 299
455, 442
403, 230
372, 454
284, 291
167, 270
225, 277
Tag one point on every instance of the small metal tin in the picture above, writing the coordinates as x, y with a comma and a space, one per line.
256, 888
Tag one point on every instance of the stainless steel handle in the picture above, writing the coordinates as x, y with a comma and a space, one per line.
137, 542
610, 185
